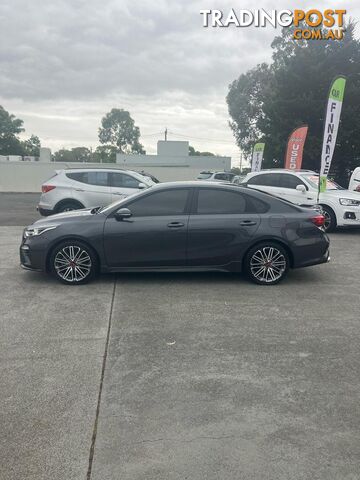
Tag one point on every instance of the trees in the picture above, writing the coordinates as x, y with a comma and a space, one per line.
267, 102
77, 154
105, 154
31, 146
196, 153
10, 128
118, 130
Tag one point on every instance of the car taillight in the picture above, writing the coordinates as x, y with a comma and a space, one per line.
318, 220
47, 188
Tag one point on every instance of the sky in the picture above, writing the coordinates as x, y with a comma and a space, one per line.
65, 63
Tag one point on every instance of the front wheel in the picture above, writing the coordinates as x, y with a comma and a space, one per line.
73, 263
267, 263
330, 219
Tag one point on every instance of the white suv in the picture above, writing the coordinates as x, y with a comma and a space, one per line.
341, 207
82, 188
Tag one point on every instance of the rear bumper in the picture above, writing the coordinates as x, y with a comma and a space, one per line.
45, 212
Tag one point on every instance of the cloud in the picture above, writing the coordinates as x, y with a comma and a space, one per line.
74, 59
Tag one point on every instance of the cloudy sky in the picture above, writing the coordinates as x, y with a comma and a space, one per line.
65, 63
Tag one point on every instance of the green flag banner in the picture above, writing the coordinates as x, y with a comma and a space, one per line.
336, 96
257, 157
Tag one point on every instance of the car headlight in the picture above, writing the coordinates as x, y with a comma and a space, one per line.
348, 202
36, 231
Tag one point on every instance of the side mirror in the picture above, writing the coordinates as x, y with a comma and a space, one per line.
301, 188
122, 213
141, 186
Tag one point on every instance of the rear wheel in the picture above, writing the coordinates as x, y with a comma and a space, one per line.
267, 263
68, 206
73, 262
330, 219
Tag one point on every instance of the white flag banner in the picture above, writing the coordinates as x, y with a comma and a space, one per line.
257, 157
333, 112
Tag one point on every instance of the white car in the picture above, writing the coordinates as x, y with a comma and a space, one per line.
216, 176
341, 207
77, 188
354, 183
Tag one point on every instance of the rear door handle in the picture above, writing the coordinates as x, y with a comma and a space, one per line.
79, 190
247, 223
175, 225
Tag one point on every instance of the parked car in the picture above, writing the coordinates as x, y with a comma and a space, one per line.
179, 226
74, 189
341, 207
238, 179
354, 183
216, 176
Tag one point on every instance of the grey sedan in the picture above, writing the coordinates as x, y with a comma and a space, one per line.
177, 227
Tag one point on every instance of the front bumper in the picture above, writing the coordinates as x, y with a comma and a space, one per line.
31, 259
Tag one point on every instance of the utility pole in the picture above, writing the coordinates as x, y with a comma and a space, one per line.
166, 132
241, 158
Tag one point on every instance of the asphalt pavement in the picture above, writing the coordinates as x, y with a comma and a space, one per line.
180, 376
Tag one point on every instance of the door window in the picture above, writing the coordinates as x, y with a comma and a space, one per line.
168, 202
121, 180
266, 179
214, 201
91, 178
290, 181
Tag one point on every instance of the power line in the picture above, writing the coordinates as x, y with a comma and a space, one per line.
202, 138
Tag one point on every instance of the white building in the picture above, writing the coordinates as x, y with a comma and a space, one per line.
173, 162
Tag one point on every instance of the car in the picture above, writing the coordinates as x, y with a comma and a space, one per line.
179, 226
211, 176
341, 207
237, 179
78, 188
354, 183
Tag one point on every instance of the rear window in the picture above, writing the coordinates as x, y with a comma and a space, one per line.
204, 175
217, 201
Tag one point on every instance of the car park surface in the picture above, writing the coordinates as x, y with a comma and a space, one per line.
204, 375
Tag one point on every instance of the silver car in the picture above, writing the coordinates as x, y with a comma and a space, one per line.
77, 188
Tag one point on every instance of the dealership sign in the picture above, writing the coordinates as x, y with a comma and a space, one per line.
257, 157
333, 111
295, 147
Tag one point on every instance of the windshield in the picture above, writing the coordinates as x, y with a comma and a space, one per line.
118, 202
314, 182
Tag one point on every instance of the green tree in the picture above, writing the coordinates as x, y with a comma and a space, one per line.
267, 102
105, 154
10, 128
31, 146
77, 154
118, 129
196, 153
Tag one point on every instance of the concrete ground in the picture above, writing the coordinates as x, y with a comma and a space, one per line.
180, 376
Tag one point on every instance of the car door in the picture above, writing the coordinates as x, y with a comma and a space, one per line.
287, 190
91, 188
221, 226
156, 233
123, 185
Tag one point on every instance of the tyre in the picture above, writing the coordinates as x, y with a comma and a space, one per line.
68, 206
73, 262
330, 219
267, 263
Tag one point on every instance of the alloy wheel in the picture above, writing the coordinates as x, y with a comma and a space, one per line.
72, 263
268, 264
327, 222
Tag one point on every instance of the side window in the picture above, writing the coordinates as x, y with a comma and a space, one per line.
214, 201
122, 180
78, 176
221, 176
290, 181
168, 202
98, 178
266, 179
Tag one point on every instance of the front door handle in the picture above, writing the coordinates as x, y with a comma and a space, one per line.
175, 225
247, 223
79, 190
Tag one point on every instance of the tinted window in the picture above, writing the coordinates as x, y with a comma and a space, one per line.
213, 201
123, 180
290, 181
168, 202
223, 176
91, 178
266, 179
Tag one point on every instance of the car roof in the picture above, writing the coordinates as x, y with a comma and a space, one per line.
282, 170
197, 184
71, 170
